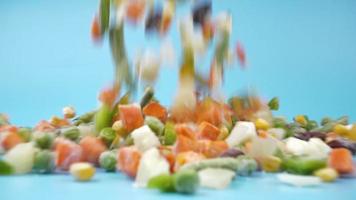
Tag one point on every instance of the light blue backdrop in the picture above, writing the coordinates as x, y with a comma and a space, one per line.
300, 50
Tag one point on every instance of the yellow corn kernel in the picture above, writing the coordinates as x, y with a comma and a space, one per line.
352, 133
68, 112
224, 132
271, 164
301, 120
82, 171
327, 174
261, 124
341, 130
119, 128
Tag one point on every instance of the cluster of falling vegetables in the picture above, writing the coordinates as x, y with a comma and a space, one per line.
201, 140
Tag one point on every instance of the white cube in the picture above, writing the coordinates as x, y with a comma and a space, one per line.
241, 132
144, 138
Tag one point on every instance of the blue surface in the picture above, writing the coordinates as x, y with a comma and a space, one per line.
302, 51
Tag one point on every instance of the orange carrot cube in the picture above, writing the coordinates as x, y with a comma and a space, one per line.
208, 131
128, 160
131, 116
341, 160
92, 148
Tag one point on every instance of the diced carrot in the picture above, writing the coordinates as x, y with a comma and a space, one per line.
67, 153
135, 10
184, 143
167, 152
341, 160
95, 30
208, 131
44, 126
128, 160
212, 149
213, 112
92, 148
9, 128
187, 157
241, 55
155, 109
131, 116
262, 133
185, 130
10, 139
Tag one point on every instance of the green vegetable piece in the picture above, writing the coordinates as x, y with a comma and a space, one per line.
279, 122
85, 118
273, 104
71, 133
103, 117
5, 168
147, 96
325, 120
107, 135
25, 133
104, 15
328, 127
304, 166
43, 140
107, 161
162, 182
155, 125
170, 135
44, 162
129, 140
186, 181
243, 165
312, 124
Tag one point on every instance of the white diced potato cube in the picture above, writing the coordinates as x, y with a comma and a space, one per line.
241, 132
215, 178
144, 138
21, 157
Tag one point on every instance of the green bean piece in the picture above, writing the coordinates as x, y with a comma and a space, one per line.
44, 162
147, 96
104, 15
107, 135
186, 181
328, 127
103, 117
273, 104
5, 168
25, 133
305, 166
312, 124
162, 182
279, 122
71, 133
107, 161
325, 120
155, 125
85, 118
170, 135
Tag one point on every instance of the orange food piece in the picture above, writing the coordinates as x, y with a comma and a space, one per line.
44, 126
156, 110
262, 133
108, 95
10, 139
167, 152
135, 10
131, 116
67, 153
92, 148
208, 131
10, 128
341, 160
212, 149
213, 112
184, 143
187, 157
128, 160
95, 30
166, 23
185, 130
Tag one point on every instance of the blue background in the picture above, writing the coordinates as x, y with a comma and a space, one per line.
299, 50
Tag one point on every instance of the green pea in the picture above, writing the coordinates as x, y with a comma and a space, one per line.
273, 104
325, 120
85, 118
103, 117
71, 133
279, 122
155, 125
186, 181
107, 161
107, 135
25, 133
170, 135
162, 182
5, 168
43, 140
44, 162
303, 166
312, 124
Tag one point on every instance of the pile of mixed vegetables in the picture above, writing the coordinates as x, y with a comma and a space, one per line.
200, 140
